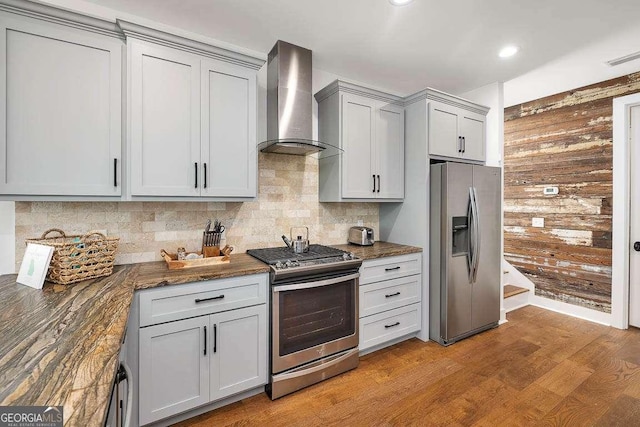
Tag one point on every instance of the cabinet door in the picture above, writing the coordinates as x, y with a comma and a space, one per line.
228, 126
443, 130
239, 351
390, 152
472, 128
174, 368
164, 121
358, 137
60, 110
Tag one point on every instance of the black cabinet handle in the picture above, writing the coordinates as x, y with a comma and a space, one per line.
378, 183
459, 144
392, 268
205, 175
205, 340
636, 246
115, 172
392, 325
196, 163
374, 183
209, 299
395, 294
215, 338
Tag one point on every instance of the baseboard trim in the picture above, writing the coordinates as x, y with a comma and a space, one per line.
571, 310
503, 317
388, 343
207, 408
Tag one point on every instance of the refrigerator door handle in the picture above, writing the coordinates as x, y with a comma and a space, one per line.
470, 241
476, 235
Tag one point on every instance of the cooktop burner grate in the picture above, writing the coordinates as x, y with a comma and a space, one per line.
283, 254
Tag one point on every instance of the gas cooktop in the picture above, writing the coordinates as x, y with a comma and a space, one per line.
284, 262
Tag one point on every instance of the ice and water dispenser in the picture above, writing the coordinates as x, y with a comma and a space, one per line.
460, 238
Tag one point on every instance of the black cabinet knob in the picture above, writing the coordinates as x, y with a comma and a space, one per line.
636, 246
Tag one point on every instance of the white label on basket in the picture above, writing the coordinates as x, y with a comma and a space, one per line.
35, 264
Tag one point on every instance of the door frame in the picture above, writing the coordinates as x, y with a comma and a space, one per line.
621, 210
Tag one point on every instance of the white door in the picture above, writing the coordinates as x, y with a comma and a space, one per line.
229, 158
60, 110
358, 137
164, 121
444, 139
472, 130
634, 219
239, 351
174, 368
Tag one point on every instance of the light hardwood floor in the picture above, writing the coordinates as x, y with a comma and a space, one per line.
540, 368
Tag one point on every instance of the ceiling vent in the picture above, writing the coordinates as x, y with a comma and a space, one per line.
623, 59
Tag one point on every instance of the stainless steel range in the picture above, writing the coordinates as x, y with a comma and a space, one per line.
314, 315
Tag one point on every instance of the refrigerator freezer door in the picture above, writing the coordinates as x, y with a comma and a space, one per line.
457, 290
486, 288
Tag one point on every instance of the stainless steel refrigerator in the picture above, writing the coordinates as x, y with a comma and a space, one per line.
464, 288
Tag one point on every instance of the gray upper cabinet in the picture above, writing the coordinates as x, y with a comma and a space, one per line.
228, 123
165, 121
368, 126
456, 127
60, 108
192, 119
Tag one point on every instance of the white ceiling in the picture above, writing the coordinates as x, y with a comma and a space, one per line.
449, 45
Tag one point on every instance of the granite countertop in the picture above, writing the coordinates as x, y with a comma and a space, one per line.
378, 250
60, 345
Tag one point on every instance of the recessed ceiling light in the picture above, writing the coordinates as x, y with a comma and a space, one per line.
400, 2
508, 51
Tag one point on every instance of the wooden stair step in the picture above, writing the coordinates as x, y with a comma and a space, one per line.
511, 290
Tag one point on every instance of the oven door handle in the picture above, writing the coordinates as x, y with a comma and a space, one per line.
315, 284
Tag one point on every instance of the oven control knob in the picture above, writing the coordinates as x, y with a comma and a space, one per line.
352, 255
288, 264
345, 256
279, 265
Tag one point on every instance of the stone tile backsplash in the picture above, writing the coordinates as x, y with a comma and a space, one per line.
287, 197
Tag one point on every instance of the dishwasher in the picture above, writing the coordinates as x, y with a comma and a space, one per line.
120, 404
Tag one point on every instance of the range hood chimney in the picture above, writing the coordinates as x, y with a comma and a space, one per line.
289, 105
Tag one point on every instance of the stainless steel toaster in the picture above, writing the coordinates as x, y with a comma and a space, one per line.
362, 236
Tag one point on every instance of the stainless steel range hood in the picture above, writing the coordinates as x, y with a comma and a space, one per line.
289, 100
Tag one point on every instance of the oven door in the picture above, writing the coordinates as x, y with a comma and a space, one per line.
312, 320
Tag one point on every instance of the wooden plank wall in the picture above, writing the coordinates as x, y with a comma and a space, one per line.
563, 140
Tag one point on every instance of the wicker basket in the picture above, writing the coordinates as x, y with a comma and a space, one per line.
78, 257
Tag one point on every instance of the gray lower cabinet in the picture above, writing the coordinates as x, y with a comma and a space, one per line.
390, 294
187, 363
174, 369
239, 351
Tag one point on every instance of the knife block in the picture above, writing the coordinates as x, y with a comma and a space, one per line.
210, 251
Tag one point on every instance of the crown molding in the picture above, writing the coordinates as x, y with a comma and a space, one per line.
60, 16
439, 96
141, 32
346, 87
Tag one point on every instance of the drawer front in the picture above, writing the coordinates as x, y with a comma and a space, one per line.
383, 327
195, 299
390, 268
389, 294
